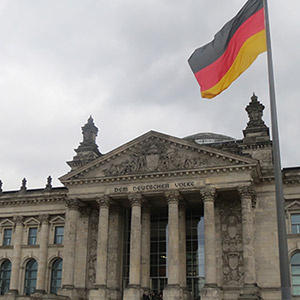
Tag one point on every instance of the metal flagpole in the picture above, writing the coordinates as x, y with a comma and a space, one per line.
281, 225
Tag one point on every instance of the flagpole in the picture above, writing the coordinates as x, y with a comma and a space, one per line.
281, 225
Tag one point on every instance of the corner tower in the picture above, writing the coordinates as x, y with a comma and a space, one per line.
256, 141
88, 149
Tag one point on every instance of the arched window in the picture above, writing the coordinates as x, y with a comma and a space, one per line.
5, 277
295, 266
56, 274
30, 277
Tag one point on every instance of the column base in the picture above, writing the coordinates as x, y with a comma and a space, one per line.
250, 292
211, 292
132, 292
98, 294
172, 292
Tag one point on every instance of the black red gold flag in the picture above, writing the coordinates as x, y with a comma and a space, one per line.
233, 49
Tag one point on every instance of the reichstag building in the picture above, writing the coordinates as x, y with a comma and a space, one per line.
183, 218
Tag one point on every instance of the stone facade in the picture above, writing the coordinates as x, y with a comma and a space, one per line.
190, 220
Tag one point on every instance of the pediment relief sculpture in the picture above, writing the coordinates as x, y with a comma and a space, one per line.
156, 156
155, 152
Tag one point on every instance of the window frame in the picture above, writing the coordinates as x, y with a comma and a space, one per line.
53, 289
294, 276
28, 289
297, 224
32, 239
4, 289
5, 238
57, 236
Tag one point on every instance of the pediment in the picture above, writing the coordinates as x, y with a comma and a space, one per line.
295, 205
157, 153
57, 220
31, 222
7, 223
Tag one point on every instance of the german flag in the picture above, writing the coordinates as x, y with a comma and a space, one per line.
234, 48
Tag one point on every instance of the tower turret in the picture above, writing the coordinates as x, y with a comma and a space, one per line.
256, 130
256, 142
88, 149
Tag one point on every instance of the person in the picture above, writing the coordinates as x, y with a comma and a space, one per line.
146, 297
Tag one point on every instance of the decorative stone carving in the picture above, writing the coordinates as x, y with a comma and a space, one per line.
256, 129
156, 155
248, 191
44, 218
104, 200
232, 244
18, 220
135, 199
48, 186
92, 255
255, 113
173, 197
88, 149
73, 204
23, 186
208, 194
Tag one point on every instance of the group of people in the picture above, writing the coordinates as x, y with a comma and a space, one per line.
153, 296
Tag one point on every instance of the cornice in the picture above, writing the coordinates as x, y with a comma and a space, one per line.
291, 181
159, 175
29, 200
257, 145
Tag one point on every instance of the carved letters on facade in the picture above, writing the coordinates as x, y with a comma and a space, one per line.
158, 156
232, 244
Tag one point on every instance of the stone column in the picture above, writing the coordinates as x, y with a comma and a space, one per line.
115, 252
133, 290
72, 215
173, 290
16, 257
145, 260
182, 248
43, 254
247, 195
210, 290
101, 269
82, 245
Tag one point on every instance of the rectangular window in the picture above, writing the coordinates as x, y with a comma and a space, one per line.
32, 236
59, 235
7, 237
295, 218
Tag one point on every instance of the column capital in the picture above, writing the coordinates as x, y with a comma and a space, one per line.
104, 201
18, 220
173, 197
136, 199
247, 191
208, 194
73, 203
44, 218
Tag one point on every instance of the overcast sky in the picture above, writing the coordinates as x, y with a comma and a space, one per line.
125, 63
